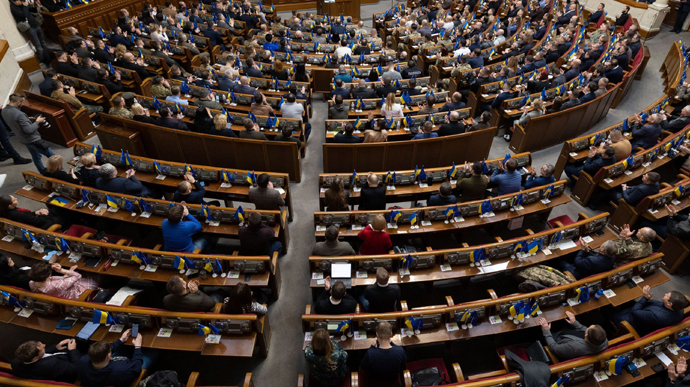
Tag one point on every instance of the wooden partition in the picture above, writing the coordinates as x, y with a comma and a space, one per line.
555, 128
167, 144
400, 155
82, 126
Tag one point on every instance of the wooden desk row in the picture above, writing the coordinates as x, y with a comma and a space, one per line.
161, 143
576, 149
239, 333
623, 172
236, 190
223, 221
406, 187
121, 260
412, 108
448, 218
404, 155
435, 265
493, 315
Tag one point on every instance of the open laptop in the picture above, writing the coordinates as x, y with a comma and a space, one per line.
342, 272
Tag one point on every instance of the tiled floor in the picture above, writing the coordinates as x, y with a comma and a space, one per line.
285, 360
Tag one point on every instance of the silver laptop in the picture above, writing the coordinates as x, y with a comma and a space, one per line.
342, 272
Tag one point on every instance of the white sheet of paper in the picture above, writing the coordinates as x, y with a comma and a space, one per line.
566, 245
664, 359
119, 297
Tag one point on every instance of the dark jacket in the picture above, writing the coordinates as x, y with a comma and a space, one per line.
30, 218
383, 91
372, 198
363, 93
451, 128
339, 112
173, 123
634, 195
325, 306
46, 87
650, 315
382, 299
342, 138
67, 69
450, 106
532, 373
21, 13
594, 164
678, 226
143, 73
676, 125
113, 87
60, 368
342, 91
594, 17
252, 72
587, 97
120, 373
122, 185
615, 75
590, 263
103, 56
194, 197
500, 98
144, 118
646, 136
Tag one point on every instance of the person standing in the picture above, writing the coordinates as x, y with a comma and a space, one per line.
26, 129
21, 13
385, 361
683, 10
7, 151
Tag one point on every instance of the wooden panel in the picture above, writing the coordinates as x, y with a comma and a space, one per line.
403, 155
251, 156
195, 151
279, 158
339, 158
369, 156
221, 153
426, 153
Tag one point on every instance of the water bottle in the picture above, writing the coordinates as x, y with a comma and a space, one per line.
352, 106
598, 294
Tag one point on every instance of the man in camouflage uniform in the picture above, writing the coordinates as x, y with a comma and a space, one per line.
538, 277
410, 36
161, 89
252, 43
428, 42
461, 65
630, 249
119, 109
374, 37
278, 25
360, 28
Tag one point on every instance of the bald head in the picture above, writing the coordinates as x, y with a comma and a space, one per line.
129, 57
646, 234
454, 116
244, 80
373, 180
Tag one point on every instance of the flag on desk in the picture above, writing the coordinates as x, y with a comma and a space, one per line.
252, 117
515, 308
477, 255
526, 100
188, 169
239, 214
594, 139
582, 294
68, 4
616, 365
387, 179
505, 159
383, 101
184, 88
524, 309
390, 123
103, 317
209, 266
208, 329
142, 204
548, 191
11, 300
466, 317
413, 323
343, 326
485, 168
453, 171
358, 123
226, 176
556, 238
628, 162
393, 216
125, 159
359, 104
450, 211
181, 263
156, 103
251, 177
110, 201
58, 201
535, 246
431, 118
534, 310
97, 151
140, 258
517, 200
625, 125
485, 207
678, 191
414, 218
84, 196
543, 94
519, 246
397, 84
421, 174
60, 243
206, 211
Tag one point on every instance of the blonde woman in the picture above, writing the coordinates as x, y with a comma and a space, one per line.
375, 239
391, 108
220, 124
55, 171
327, 360
205, 60
141, 115
89, 170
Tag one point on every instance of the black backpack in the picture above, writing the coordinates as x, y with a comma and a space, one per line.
163, 379
427, 377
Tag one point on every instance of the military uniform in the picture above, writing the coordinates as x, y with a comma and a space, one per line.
191, 48
251, 44
425, 46
544, 275
408, 39
454, 73
159, 91
630, 250
120, 112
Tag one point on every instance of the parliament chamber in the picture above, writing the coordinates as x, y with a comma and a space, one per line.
473, 193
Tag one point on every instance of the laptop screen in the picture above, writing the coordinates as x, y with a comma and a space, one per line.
341, 270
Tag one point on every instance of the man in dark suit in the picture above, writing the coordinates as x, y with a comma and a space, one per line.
129, 185
453, 103
383, 91
411, 88
648, 315
552, 54
575, 341
252, 70
380, 297
340, 90
589, 92
594, 18
362, 91
46, 86
505, 94
334, 300
86, 71
59, 362
362, 48
634, 195
678, 123
100, 54
338, 28
212, 34
452, 126
130, 64
373, 194
475, 58
593, 163
67, 65
588, 262
646, 136
614, 72
113, 85
529, 65
683, 11
541, 31
117, 37
243, 87
564, 18
574, 70
412, 70
168, 121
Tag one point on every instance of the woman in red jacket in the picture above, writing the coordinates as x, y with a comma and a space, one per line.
376, 239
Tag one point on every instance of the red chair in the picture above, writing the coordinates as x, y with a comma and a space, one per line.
602, 19
429, 363
77, 231
564, 219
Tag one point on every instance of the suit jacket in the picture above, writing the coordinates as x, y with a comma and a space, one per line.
567, 346
615, 75
325, 306
571, 74
594, 17
266, 199
565, 18
382, 299
570, 103
172, 123
122, 185
594, 164
67, 69
476, 62
342, 91
590, 263
88, 73
451, 128
451, 106
527, 68
60, 368
252, 72
646, 136
650, 315
372, 198
244, 89
382, 91
634, 195
587, 97
113, 87
364, 93
213, 36
676, 124
500, 98
143, 73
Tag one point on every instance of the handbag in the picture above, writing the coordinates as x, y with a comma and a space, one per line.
39, 18
23, 26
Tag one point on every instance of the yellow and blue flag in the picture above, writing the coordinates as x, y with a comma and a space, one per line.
97, 151
239, 214
110, 201
477, 255
12, 300
343, 326
28, 236
616, 365
58, 201
548, 191
140, 258
208, 329
61, 244
678, 191
102, 317
534, 310
394, 215
181, 263
582, 294
453, 171
414, 219
125, 159
485, 207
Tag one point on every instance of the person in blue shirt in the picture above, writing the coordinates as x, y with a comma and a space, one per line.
340, 90
268, 44
545, 176
179, 230
174, 97
634, 195
108, 364
427, 128
443, 197
343, 75
648, 315
506, 178
211, 32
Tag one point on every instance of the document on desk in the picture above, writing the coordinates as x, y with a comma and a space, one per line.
664, 359
119, 297
567, 245
88, 330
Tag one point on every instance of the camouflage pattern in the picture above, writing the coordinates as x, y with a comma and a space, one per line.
544, 275
630, 250
160, 91
120, 112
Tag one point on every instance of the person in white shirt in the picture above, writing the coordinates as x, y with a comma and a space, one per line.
500, 37
391, 108
342, 50
158, 34
462, 51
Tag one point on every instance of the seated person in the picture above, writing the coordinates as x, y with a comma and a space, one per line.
339, 110
11, 275
677, 225
43, 218
473, 187
453, 125
385, 361
54, 170
286, 135
241, 302
646, 136
426, 132
251, 131
108, 364
576, 341
256, 238
634, 195
375, 238
506, 178
453, 103
327, 360
373, 195
179, 231
587, 262
185, 296
129, 185
545, 176
443, 197
264, 196
348, 137
336, 196
34, 361
89, 170
191, 191
648, 315
630, 249
332, 247
593, 163
334, 300
676, 373
380, 297
167, 119
70, 286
